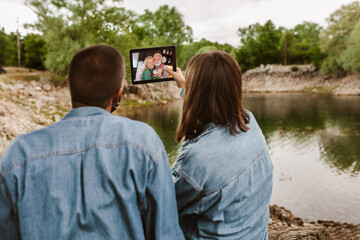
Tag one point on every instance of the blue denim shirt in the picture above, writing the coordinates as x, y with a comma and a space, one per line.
91, 175
223, 184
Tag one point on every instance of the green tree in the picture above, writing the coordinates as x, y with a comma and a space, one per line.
3, 45
308, 32
189, 50
350, 58
260, 45
11, 51
69, 25
335, 38
35, 51
165, 26
303, 44
207, 48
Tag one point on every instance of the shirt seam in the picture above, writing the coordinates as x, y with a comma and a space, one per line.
181, 173
59, 153
237, 175
203, 193
14, 206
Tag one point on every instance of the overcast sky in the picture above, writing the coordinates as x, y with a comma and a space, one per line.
215, 20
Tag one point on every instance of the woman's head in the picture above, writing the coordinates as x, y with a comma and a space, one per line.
149, 63
213, 93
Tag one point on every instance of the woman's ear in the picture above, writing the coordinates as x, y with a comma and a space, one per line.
67, 80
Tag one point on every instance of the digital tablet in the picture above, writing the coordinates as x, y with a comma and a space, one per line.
147, 64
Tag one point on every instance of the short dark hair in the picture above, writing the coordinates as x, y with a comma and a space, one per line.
95, 74
213, 93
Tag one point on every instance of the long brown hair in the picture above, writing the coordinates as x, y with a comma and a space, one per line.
213, 93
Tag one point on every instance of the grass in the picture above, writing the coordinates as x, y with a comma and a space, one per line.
134, 103
31, 77
322, 89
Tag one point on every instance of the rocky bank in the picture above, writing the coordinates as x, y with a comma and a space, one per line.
298, 78
31, 100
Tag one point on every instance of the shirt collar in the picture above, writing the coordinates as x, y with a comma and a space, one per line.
208, 128
85, 112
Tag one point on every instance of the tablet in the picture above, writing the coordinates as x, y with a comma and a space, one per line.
147, 64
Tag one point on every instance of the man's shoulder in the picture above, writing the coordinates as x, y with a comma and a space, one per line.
133, 126
134, 133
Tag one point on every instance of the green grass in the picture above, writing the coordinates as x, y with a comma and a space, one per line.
322, 89
134, 103
32, 77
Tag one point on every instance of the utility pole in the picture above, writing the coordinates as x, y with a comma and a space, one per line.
285, 49
18, 43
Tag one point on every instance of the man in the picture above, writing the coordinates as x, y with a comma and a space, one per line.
159, 66
91, 175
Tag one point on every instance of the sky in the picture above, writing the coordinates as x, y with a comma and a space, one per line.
215, 20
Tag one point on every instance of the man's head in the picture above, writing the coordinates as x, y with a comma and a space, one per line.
157, 59
96, 75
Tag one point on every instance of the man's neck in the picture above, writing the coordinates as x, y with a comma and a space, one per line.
77, 105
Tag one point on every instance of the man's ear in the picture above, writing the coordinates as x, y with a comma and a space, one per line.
117, 95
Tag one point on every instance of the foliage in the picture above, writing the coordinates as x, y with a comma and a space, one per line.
294, 68
35, 51
3, 45
165, 26
67, 26
189, 50
303, 44
336, 37
350, 57
11, 51
71, 25
260, 45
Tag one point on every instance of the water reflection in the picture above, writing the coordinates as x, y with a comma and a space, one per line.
335, 119
165, 120
314, 143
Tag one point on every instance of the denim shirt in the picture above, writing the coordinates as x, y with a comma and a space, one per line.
91, 175
223, 184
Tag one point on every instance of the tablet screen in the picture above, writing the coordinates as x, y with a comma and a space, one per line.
147, 64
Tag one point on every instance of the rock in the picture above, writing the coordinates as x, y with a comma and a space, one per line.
47, 87
2, 70
2, 111
304, 233
45, 79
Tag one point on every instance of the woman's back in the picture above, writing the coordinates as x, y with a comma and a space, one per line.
223, 176
223, 184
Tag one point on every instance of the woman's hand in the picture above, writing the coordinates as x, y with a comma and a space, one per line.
178, 76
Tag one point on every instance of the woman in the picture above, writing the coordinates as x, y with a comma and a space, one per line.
148, 72
223, 176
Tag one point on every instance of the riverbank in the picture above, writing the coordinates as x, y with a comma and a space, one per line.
298, 78
31, 100
283, 225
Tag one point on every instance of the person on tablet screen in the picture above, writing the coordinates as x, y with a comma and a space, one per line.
159, 66
148, 72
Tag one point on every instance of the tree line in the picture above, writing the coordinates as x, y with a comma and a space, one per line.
66, 26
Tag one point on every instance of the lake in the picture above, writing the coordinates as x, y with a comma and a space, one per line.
314, 142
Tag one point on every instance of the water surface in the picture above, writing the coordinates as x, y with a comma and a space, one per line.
314, 142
